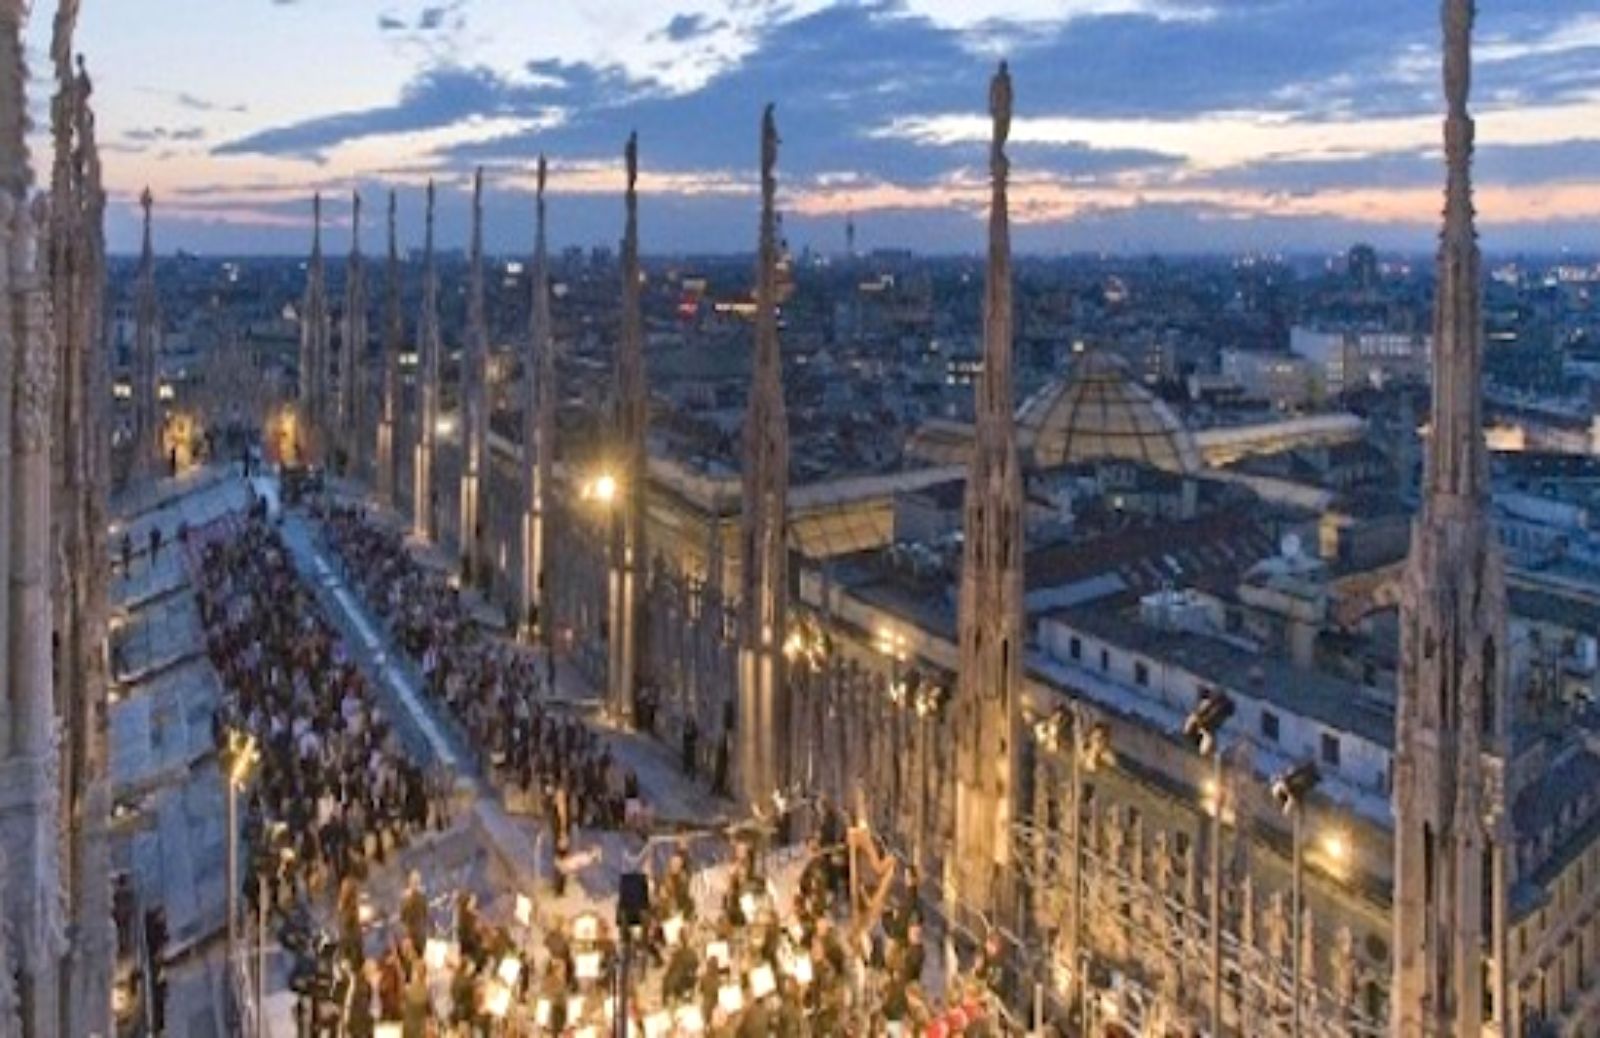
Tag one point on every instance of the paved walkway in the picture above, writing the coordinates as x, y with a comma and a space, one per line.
170, 834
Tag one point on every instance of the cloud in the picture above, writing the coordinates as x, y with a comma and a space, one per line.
200, 104
1242, 113
440, 98
165, 134
685, 27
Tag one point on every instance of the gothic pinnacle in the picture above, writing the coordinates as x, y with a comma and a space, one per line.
316, 224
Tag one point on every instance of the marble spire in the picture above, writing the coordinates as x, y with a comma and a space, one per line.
1453, 843
85, 993
628, 551
424, 510
990, 617
147, 452
394, 334
538, 436
763, 717
353, 349
314, 336
32, 917
475, 409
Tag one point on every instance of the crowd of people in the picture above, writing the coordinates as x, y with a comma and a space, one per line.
331, 772
834, 948
497, 691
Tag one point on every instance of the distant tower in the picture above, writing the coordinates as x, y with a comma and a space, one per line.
475, 410
990, 607
394, 337
628, 552
1362, 265
1452, 838
850, 236
148, 457
538, 437
353, 353
423, 513
763, 719
314, 335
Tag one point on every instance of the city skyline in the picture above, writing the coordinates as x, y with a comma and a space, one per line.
1275, 126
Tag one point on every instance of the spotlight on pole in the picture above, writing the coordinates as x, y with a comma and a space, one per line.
1206, 720
1291, 787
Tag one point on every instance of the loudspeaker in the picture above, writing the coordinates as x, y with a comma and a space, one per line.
633, 899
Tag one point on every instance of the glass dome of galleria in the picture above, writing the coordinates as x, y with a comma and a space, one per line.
1099, 412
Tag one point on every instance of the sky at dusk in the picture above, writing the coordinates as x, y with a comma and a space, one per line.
1142, 125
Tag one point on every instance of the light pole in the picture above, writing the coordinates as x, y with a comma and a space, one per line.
279, 855
1091, 748
239, 758
1201, 727
1290, 789
807, 649
602, 489
892, 644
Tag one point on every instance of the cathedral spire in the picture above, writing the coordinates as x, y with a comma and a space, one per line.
990, 605
353, 354
146, 342
539, 433
628, 554
763, 718
394, 332
475, 408
30, 821
1457, 462
423, 512
314, 338
1453, 866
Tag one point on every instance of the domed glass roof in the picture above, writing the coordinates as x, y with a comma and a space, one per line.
1098, 412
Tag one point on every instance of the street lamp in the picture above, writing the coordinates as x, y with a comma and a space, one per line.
601, 489
239, 758
279, 855
893, 645
1290, 790
1091, 750
1201, 727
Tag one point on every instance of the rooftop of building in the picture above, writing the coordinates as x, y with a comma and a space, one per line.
1329, 699
1099, 411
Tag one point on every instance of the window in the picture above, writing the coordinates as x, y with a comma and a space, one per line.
1105, 659
1075, 648
1330, 750
1141, 674
1269, 725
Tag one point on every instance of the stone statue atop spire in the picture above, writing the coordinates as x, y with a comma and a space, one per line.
763, 719
394, 334
475, 409
538, 436
628, 553
990, 617
424, 511
1453, 843
353, 352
